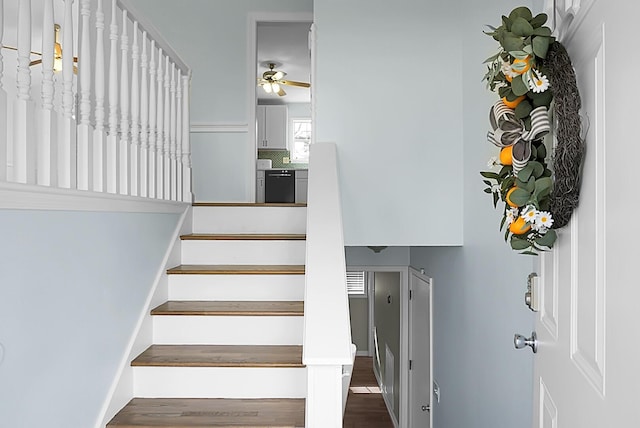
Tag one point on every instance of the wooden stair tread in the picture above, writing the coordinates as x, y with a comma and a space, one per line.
237, 270
237, 308
244, 237
220, 356
246, 204
211, 412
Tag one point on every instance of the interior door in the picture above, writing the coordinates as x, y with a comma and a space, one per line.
586, 370
420, 379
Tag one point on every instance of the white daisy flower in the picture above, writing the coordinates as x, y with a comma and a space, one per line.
538, 82
543, 219
510, 217
507, 70
530, 214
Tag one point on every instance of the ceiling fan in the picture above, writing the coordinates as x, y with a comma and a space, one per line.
271, 81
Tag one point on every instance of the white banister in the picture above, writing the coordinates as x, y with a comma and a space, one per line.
167, 131
135, 113
47, 130
3, 104
110, 112
327, 344
172, 143
85, 130
99, 137
152, 123
187, 195
144, 119
112, 138
24, 162
123, 149
160, 129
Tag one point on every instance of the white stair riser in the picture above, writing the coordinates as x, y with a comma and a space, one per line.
249, 219
219, 382
236, 287
227, 330
244, 252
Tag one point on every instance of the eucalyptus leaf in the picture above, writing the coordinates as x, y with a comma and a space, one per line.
521, 12
518, 86
525, 173
534, 152
523, 109
538, 169
528, 49
541, 46
542, 31
491, 27
542, 98
519, 54
520, 197
495, 200
543, 184
531, 185
529, 253
506, 23
548, 239
539, 20
519, 244
492, 58
505, 91
487, 182
504, 220
511, 42
521, 27
542, 152
488, 190
506, 169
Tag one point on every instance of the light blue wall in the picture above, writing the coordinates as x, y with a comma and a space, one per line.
211, 37
479, 288
390, 256
388, 92
73, 286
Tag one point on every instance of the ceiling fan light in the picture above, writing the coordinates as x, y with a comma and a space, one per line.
275, 87
267, 88
278, 75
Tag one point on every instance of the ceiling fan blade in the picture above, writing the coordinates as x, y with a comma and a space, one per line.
294, 83
281, 92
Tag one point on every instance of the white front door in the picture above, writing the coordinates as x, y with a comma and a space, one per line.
587, 369
420, 350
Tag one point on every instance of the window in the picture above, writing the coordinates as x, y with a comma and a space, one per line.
301, 138
356, 283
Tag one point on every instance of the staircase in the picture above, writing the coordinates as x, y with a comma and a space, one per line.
227, 345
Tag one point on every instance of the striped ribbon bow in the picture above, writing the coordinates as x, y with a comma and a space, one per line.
508, 130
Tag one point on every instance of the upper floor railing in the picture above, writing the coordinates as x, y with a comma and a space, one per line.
92, 98
327, 349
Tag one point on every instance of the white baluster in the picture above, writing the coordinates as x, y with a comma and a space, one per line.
135, 113
172, 142
187, 195
67, 154
144, 119
99, 137
124, 166
112, 139
160, 130
85, 130
3, 106
24, 151
167, 130
48, 118
179, 124
153, 104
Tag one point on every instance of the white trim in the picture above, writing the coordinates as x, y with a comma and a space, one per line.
204, 128
252, 57
123, 379
32, 197
385, 397
404, 331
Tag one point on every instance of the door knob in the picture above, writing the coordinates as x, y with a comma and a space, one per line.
426, 408
519, 341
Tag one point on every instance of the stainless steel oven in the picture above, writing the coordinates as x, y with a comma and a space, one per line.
279, 186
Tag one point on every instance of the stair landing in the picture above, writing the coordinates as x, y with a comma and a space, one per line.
210, 412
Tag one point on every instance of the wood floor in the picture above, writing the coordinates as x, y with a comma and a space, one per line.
365, 406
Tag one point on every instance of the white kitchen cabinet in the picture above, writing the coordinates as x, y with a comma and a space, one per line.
260, 186
272, 127
302, 180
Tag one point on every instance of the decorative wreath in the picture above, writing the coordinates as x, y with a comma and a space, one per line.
533, 75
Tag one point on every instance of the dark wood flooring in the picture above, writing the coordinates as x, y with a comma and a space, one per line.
365, 406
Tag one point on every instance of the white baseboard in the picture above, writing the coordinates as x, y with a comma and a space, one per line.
363, 354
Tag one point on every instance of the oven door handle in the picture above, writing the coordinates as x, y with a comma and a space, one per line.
279, 175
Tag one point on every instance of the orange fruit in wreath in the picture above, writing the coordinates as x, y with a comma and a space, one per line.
513, 104
519, 226
526, 62
506, 156
507, 198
